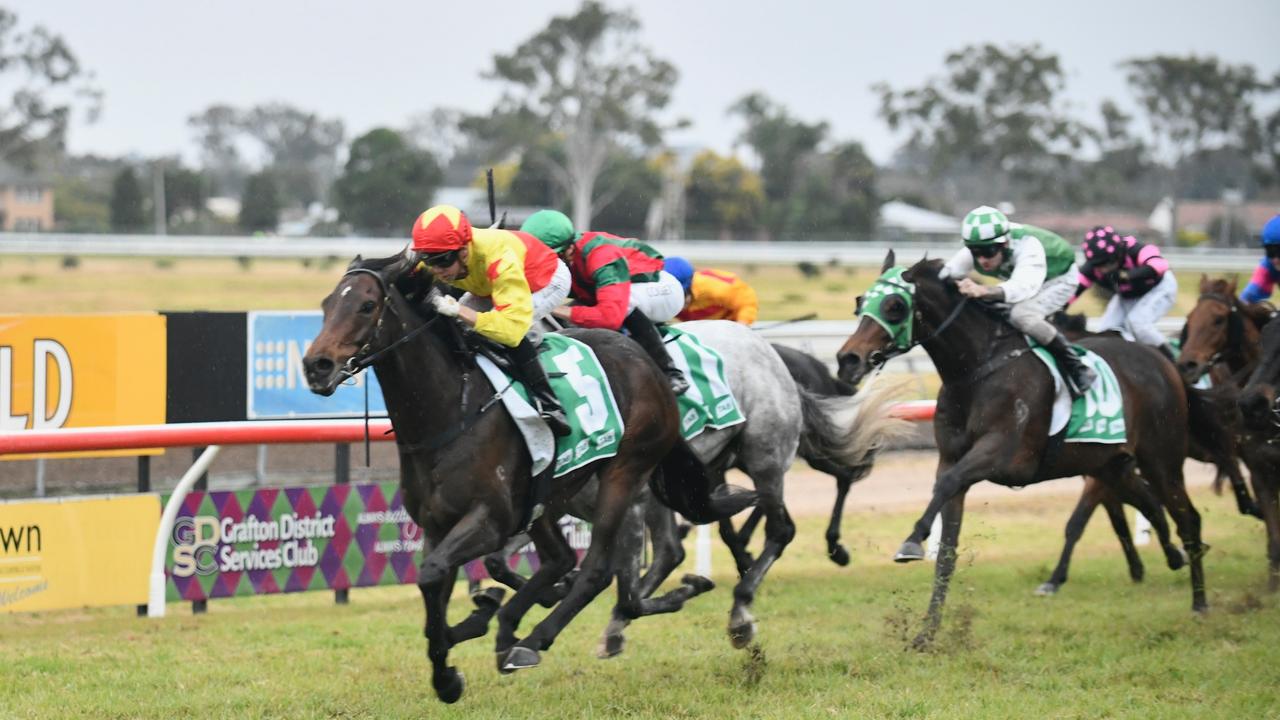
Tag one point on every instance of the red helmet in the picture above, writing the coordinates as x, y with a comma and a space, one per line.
441, 229
1102, 245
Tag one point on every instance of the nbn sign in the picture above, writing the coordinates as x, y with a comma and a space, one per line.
277, 387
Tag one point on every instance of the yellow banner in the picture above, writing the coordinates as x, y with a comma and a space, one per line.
76, 552
81, 371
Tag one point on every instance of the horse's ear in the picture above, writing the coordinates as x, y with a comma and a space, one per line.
355, 263
1204, 283
888, 262
1231, 286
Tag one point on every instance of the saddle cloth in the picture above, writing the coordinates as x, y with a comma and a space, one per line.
1096, 417
709, 402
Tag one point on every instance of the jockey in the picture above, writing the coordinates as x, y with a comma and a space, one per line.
1144, 288
512, 281
1039, 273
1267, 274
713, 294
617, 283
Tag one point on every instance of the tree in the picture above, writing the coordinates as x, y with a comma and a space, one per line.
386, 183
47, 83
302, 147
127, 213
995, 111
587, 80
260, 203
185, 191
217, 129
779, 140
723, 194
634, 182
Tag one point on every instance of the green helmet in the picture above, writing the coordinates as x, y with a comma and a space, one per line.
552, 227
985, 226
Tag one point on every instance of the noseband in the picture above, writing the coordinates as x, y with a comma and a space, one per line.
366, 356
877, 358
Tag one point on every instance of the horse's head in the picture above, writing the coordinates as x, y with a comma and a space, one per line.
887, 323
354, 315
1212, 327
1258, 399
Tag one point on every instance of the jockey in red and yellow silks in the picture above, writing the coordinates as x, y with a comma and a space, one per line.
511, 279
714, 294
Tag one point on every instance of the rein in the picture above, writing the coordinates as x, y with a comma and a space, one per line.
877, 358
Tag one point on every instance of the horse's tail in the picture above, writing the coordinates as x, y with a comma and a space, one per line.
848, 430
682, 482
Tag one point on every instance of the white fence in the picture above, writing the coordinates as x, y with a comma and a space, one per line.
844, 253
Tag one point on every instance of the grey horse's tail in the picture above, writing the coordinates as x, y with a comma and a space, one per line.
848, 430
683, 483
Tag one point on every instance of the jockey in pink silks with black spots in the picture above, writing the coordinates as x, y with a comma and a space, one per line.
1138, 276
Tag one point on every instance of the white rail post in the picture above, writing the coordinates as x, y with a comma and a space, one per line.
155, 598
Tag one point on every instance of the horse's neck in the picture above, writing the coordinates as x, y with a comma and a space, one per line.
964, 345
423, 386
1243, 358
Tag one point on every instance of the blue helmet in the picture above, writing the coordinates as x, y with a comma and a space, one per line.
1271, 231
680, 269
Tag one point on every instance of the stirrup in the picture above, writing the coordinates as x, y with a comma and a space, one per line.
679, 384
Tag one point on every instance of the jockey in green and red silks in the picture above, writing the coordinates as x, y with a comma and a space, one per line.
618, 283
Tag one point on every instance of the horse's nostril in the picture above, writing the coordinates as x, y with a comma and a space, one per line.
319, 364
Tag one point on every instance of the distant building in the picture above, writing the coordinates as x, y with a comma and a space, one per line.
900, 221
1204, 216
26, 200
1073, 225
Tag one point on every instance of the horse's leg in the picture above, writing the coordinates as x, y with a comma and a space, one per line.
1133, 490
737, 547
1120, 524
1166, 476
471, 537
618, 488
952, 517
1088, 502
749, 526
778, 532
837, 552
1266, 492
557, 559
633, 591
500, 571
952, 480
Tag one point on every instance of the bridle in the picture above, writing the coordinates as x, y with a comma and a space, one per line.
877, 358
365, 355
1235, 328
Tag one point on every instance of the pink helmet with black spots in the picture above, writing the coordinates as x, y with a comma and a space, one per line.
1102, 245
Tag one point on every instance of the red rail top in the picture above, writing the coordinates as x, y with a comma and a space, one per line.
253, 432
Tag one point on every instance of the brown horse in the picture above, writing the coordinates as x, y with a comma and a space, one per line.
1220, 337
465, 472
993, 414
1260, 405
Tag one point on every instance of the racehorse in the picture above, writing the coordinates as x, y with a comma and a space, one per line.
993, 414
1220, 337
811, 375
1260, 406
465, 472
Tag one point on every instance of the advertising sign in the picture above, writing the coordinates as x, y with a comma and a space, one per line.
277, 387
81, 371
76, 552
291, 539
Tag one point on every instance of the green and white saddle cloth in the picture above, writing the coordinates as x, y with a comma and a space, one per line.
708, 403
579, 381
1098, 416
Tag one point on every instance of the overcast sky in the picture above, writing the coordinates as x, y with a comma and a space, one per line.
378, 63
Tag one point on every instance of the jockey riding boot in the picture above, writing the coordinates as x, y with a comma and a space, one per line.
646, 333
1080, 376
530, 372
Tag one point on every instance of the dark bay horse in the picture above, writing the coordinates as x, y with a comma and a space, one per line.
465, 473
1221, 334
1260, 406
993, 415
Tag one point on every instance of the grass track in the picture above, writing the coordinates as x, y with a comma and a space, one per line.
830, 643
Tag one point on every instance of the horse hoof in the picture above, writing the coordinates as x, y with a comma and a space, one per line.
909, 552
611, 646
519, 658
1252, 511
449, 685
839, 555
697, 583
922, 642
1047, 589
742, 635
1176, 557
490, 599
1201, 609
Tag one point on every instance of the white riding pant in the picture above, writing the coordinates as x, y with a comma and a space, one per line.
1029, 315
659, 301
545, 300
1136, 318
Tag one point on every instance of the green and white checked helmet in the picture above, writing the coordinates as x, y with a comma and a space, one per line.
985, 226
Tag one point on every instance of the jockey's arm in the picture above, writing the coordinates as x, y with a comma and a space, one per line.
1029, 271
612, 276
512, 313
959, 266
747, 305
1260, 285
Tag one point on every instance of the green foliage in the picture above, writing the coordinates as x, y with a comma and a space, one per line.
723, 194
81, 206
386, 183
260, 204
781, 142
47, 83
998, 109
126, 208
630, 184
185, 191
586, 80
